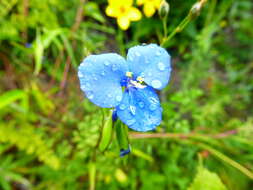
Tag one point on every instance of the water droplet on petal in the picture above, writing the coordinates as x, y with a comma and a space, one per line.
161, 66
94, 77
114, 67
82, 87
106, 63
152, 107
137, 54
131, 58
103, 73
80, 75
142, 75
119, 58
90, 95
130, 122
87, 85
156, 83
109, 95
122, 106
118, 98
158, 53
141, 104
153, 100
132, 109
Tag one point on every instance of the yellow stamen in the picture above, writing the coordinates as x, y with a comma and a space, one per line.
129, 74
140, 79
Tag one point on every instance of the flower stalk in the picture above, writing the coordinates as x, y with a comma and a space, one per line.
193, 13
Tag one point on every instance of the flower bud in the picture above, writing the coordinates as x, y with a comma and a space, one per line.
196, 8
106, 133
164, 9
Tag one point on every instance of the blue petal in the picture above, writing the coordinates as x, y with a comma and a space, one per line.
140, 109
151, 62
100, 77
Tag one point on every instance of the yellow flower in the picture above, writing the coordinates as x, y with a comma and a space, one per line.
123, 11
149, 6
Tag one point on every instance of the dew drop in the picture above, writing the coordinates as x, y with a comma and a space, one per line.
103, 73
161, 66
114, 67
141, 104
158, 53
80, 75
131, 58
87, 85
109, 95
82, 87
119, 58
156, 83
132, 109
94, 77
122, 106
106, 63
130, 122
142, 75
153, 100
152, 107
90, 95
118, 98
137, 54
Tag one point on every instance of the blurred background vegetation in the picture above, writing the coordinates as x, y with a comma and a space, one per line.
49, 131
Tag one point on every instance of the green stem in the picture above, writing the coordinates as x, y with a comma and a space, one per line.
120, 39
92, 175
178, 29
227, 160
210, 12
165, 27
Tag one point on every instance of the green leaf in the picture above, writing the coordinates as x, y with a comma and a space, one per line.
11, 96
91, 9
206, 180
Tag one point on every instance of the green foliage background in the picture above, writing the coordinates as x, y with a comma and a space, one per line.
49, 131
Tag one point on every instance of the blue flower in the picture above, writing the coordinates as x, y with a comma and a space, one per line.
108, 80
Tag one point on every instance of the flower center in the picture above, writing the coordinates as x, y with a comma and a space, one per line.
131, 82
122, 9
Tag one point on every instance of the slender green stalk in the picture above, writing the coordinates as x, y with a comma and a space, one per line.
227, 160
178, 29
191, 139
165, 27
194, 12
210, 12
92, 175
120, 39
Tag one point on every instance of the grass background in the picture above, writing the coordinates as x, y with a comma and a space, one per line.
49, 131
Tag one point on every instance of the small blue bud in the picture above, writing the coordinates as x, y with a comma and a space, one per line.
114, 115
28, 45
124, 152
